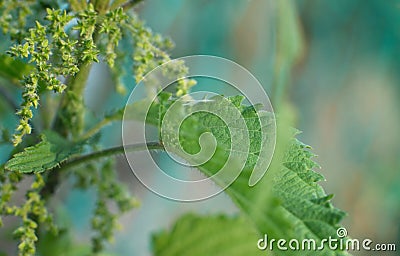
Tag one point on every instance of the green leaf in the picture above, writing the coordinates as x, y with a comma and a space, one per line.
287, 202
49, 153
13, 69
209, 235
301, 203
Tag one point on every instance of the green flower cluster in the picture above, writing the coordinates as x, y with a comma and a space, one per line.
109, 192
54, 55
104, 220
32, 212
111, 27
149, 54
13, 17
61, 48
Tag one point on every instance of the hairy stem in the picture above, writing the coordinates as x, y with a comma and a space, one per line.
53, 178
71, 105
110, 152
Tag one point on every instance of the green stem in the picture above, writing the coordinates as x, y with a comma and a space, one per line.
97, 127
78, 83
53, 178
131, 4
101, 6
71, 105
110, 152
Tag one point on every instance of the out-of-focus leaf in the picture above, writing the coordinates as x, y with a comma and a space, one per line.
208, 235
12, 69
64, 245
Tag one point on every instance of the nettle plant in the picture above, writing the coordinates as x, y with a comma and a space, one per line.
49, 49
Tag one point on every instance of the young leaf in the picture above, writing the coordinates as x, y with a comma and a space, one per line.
287, 202
49, 153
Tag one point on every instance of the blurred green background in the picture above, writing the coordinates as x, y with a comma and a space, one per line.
334, 63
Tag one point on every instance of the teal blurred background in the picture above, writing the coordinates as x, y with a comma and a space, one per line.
335, 64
